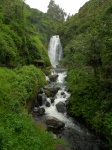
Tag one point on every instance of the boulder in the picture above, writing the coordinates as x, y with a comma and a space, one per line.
53, 88
62, 93
53, 78
61, 107
36, 104
41, 98
52, 99
47, 104
54, 125
41, 111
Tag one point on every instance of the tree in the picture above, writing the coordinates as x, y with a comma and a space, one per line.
55, 11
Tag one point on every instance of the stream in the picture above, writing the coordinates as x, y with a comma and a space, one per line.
52, 110
75, 134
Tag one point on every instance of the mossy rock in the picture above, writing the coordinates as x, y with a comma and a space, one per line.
48, 93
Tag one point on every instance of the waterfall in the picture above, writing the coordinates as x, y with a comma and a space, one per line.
55, 50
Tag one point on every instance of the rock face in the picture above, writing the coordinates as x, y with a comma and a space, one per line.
54, 125
61, 107
53, 78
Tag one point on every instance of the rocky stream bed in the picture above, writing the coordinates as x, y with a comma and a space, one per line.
50, 109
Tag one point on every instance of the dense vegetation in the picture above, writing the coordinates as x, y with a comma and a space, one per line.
87, 42
24, 36
55, 11
17, 129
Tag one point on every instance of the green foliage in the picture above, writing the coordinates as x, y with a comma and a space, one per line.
81, 21
108, 126
17, 128
25, 34
8, 50
55, 11
87, 42
21, 37
23, 82
37, 51
43, 24
82, 85
75, 50
90, 99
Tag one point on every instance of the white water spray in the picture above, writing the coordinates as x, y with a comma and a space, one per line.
55, 50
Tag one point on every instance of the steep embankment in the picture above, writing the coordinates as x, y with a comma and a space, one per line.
24, 34
87, 42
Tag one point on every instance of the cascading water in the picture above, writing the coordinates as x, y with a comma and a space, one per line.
75, 134
61, 96
55, 50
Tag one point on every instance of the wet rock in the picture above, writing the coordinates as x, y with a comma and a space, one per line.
41, 98
47, 104
52, 88
61, 107
52, 100
41, 111
62, 93
54, 125
53, 78
36, 104
44, 98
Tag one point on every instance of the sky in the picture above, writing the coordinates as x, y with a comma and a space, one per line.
69, 6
